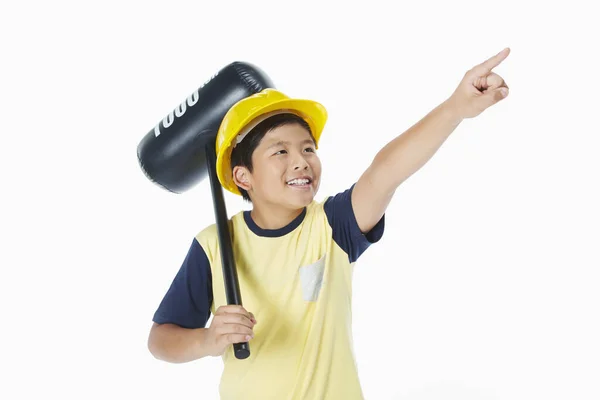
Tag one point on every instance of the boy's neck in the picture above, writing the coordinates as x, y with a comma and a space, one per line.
273, 218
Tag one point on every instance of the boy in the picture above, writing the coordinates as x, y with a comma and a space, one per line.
294, 256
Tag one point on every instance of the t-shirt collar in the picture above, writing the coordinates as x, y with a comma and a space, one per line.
273, 232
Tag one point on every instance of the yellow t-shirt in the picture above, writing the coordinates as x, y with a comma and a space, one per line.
297, 281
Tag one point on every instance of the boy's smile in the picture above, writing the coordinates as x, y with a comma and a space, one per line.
303, 182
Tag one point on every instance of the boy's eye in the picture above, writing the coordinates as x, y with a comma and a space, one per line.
310, 149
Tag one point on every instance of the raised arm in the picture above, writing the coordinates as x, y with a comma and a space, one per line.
406, 154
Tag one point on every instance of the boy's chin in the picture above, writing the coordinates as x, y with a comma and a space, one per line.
300, 198
302, 201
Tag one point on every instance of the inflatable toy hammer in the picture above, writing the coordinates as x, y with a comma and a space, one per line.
179, 152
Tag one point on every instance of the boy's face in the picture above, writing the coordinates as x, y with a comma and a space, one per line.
284, 153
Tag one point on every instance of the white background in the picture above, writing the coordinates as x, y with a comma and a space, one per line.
485, 285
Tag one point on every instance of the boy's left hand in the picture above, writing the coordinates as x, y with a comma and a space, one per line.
480, 88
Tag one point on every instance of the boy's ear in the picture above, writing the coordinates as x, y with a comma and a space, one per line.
241, 177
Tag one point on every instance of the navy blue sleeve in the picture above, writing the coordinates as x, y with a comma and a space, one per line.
188, 300
345, 230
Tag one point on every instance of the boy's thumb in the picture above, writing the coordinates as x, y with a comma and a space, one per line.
496, 95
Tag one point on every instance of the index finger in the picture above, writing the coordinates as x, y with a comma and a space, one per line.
491, 63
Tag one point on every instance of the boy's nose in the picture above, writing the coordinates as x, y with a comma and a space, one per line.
299, 163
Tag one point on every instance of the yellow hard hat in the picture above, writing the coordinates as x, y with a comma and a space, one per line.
249, 112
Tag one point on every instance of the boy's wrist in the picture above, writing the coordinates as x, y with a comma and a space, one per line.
451, 111
202, 343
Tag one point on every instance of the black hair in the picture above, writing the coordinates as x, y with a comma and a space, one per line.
241, 154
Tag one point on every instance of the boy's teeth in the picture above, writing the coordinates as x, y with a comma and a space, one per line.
298, 182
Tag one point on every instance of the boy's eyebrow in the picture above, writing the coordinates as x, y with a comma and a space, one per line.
282, 142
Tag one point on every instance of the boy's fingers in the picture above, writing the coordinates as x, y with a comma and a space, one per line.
234, 314
229, 329
235, 338
236, 309
486, 67
237, 319
494, 81
233, 309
